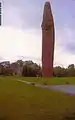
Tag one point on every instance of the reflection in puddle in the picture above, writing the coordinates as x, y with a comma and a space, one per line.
70, 89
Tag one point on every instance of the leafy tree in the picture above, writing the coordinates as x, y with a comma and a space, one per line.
71, 66
20, 62
59, 72
31, 69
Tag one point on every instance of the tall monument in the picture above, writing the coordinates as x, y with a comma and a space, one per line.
0, 12
48, 37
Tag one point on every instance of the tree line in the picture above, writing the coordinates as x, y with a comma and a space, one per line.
22, 68
64, 72
31, 69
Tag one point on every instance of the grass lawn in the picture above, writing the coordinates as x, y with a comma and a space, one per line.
19, 101
50, 81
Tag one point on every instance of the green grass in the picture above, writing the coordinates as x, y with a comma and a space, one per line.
19, 101
49, 81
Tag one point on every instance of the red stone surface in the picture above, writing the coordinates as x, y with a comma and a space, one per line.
47, 41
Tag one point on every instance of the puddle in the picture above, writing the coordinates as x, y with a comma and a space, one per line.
69, 89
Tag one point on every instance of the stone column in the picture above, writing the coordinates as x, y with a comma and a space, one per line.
47, 41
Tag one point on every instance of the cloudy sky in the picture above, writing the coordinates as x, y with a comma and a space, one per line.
20, 33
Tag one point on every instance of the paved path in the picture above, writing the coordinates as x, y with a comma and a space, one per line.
69, 89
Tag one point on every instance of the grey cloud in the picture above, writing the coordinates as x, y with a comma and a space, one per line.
70, 48
27, 14
1, 58
28, 58
67, 40
23, 13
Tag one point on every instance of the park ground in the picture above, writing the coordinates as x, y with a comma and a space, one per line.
19, 101
49, 81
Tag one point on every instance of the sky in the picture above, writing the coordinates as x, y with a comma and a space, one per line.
21, 35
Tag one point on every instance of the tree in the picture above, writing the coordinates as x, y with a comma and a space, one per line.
71, 70
31, 69
71, 66
20, 62
59, 71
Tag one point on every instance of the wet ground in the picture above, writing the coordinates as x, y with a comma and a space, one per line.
69, 89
